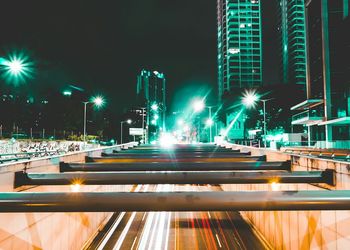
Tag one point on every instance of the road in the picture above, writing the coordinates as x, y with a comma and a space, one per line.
178, 230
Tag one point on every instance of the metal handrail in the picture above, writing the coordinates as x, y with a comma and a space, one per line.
25, 155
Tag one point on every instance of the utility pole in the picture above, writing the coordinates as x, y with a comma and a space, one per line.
210, 128
264, 110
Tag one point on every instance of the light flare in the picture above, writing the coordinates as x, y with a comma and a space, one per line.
16, 69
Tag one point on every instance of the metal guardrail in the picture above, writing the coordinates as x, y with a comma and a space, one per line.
174, 166
193, 177
343, 155
26, 155
11, 202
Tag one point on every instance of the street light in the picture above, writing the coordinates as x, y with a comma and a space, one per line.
198, 105
209, 122
249, 100
264, 111
98, 102
154, 107
16, 68
128, 121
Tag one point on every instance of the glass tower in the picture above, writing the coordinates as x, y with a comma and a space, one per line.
239, 44
327, 108
291, 29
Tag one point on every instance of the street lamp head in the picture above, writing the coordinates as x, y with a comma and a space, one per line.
98, 101
180, 121
209, 122
198, 105
128, 121
15, 66
154, 107
249, 99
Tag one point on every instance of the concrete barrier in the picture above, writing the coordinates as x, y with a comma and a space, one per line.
51, 230
300, 229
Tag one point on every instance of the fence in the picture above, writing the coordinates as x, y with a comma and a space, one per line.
11, 149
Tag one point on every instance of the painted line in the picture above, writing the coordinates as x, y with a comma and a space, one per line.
111, 231
132, 246
217, 238
121, 239
143, 217
115, 225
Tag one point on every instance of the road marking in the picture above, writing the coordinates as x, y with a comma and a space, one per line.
143, 217
111, 231
217, 238
133, 243
115, 225
121, 239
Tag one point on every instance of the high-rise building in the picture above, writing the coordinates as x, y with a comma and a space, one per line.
151, 95
291, 30
239, 44
326, 112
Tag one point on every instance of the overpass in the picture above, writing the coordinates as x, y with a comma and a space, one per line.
149, 197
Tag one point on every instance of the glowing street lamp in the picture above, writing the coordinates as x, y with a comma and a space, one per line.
98, 101
128, 121
249, 99
198, 105
180, 122
154, 107
209, 122
16, 68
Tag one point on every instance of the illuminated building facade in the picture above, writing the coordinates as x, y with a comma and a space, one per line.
291, 30
326, 112
151, 94
239, 45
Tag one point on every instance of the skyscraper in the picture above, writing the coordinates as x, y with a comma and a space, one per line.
291, 29
150, 92
239, 44
327, 108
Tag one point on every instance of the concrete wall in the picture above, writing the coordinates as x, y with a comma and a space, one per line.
301, 229
50, 230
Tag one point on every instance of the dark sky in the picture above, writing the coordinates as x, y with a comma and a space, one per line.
102, 45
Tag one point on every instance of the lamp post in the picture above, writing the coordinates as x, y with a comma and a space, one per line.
264, 111
198, 106
128, 121
163, 97
249, 100
98, 101
143, 125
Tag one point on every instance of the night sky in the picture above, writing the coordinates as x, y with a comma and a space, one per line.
101, 46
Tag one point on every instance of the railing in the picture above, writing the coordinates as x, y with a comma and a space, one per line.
308, 114
27, 155
339, 144
334, 154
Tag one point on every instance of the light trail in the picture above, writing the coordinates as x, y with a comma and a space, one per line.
133, 244
217, 238
125, 231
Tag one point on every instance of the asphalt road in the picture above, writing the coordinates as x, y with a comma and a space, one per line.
180, 230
